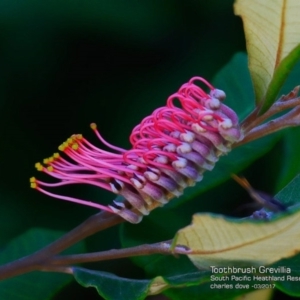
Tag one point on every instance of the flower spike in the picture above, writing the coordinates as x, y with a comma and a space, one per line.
170, 150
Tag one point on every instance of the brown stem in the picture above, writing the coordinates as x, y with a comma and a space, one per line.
290, 119
147, 249
276, 108
33, 261
250, 118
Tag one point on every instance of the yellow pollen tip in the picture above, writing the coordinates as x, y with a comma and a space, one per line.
75, 146
32, 180
70, 141
61, 147
94, 126
56, 155
51, 159
79, 136
33, 185
50, 169
46, 161
39, 166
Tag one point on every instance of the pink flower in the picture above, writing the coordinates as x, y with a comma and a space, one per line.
170, 151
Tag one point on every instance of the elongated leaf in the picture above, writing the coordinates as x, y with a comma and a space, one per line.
35, 285
290, 160
272, 30
182, 286
112, 287
216, 240
290, 142
290, 195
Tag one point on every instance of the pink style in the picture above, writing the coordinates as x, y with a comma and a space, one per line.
170, 151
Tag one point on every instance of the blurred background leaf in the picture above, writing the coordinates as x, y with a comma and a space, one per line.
34, 285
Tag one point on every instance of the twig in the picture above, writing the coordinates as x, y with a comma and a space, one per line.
275, 109
290, 119
147, 249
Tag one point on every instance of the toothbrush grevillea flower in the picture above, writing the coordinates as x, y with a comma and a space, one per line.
170, 150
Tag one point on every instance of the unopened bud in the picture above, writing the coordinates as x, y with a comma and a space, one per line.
219, 94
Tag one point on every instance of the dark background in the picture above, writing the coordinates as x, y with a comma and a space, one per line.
65, 64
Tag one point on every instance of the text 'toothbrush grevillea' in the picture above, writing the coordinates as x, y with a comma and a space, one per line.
170, 151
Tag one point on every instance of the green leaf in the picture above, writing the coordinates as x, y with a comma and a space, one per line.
290, 146
34, 285
112, 287
182, 286
290, 195
288, 285
272, 32
279, 77
234, 78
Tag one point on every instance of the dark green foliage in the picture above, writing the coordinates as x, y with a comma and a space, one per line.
35, 285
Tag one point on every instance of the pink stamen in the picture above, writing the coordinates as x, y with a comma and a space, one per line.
75, 200
170, 149
202, 80
94, 127
67, 181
